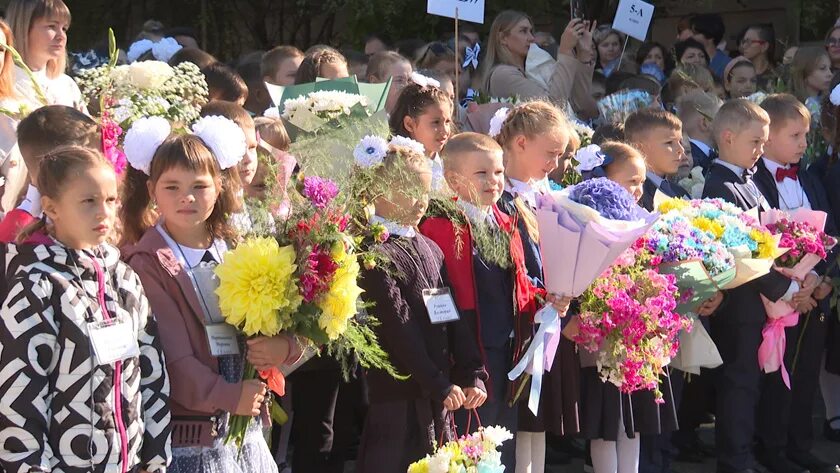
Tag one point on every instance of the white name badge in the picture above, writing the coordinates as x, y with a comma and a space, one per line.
440, 305
223, 339
113, 340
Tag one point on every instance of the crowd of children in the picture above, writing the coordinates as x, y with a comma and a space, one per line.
115, 357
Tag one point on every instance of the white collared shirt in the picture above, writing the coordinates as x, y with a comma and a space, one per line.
477, 214
395, 228
527, 190
31, 204
191, 257
437, 173
652, 177
791, 194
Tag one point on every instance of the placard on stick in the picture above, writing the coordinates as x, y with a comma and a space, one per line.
633, 18
468, 10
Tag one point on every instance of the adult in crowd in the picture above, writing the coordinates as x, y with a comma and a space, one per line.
832, 46
10, 158
608, 43
759, 46
653, 60
503, 72
709, 30
691, 51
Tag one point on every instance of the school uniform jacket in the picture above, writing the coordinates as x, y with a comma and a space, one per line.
649, 191
456, 243
54, 393
700, 158
743, 304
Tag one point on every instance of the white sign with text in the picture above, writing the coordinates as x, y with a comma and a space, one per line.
468, 10
633, 18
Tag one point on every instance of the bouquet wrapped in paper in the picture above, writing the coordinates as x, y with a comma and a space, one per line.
472, 453
628, 317
583, 230
801, 234
300, 280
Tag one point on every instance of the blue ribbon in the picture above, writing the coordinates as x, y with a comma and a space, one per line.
471, 56
533, 361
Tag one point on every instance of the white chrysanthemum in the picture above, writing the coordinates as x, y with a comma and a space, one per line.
119, 74
439, 462
149, 74
589, 158
835, 95
497, 435
139, 48
498, 121
143, 139
272, 112
370, 151
123, 111
408, 143
224, 138
290, 106
424, 81
164, 49
583, 130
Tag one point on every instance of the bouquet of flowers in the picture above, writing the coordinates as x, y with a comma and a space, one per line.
751, 245
615, 108
801, 234
145, 89
628, 317
324, 104
473, 453
583, 230
301, 280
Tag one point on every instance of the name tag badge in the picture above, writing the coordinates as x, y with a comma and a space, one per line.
113, 340
223, 339
440, 305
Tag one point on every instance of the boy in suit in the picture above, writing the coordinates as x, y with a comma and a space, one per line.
658, 135
784, 422
696, 111
741, 128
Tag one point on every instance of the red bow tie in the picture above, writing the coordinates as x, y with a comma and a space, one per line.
791, 172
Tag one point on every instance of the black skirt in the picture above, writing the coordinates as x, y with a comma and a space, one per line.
559, 411
603, 406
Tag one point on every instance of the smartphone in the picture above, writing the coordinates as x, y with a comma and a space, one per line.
577, 8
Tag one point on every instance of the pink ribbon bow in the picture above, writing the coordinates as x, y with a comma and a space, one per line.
771, 353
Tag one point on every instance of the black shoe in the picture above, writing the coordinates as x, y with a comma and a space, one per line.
812, 463
776, 463
829, 432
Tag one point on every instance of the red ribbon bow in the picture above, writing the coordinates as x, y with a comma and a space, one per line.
791, 173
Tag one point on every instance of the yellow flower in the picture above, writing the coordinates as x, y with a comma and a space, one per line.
257, 288
338, 251
338, 305
672, 204
708, 225
421, 466
766, 243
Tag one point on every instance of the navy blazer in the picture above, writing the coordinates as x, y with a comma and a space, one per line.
649, 191
743, 304
766, 183
700, 158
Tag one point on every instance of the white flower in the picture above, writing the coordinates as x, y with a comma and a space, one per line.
424, 81
123, 111
497, 121
139, 48
497, 435
583, 130
224, 138
149, 74
835, 95
439, 463
142, 141
370, 151
272, 112
164, 49
408, 143
589, 158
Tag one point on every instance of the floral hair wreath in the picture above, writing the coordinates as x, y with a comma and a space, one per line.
592, 161
223, 137
498, 121
835, 95
424, 81
162, 50
371, 150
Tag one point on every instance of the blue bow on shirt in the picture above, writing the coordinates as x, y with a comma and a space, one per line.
471, 56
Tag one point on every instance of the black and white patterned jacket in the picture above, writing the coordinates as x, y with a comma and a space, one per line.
56, 406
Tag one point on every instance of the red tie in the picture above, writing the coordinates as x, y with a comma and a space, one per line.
791, 172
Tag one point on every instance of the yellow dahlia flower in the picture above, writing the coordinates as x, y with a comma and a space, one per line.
257, 287
766, 243
672, 204
338, 304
